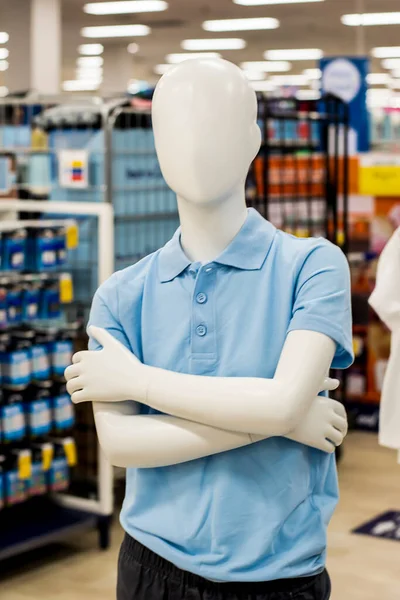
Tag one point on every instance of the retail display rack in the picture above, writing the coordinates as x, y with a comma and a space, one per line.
41, 493
300, 179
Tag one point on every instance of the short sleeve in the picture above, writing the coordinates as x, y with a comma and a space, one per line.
385, 299
322, 299
104, 313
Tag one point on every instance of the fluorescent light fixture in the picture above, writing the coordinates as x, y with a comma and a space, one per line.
300, 54
290, 79
4, 37
114, 31
90, 74
367, 19
213, 44
133, 48
241, 24
182, 56
378, 78
3, 91
4, 53
77, 85
386, 52
91, 49
308, 95
4, 65
254, 75
391, 63
312, 73
123, 8
90, 61
268, 66
266, 2
161, 69
263, 86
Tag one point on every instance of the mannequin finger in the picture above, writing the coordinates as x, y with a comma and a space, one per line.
75, 384
328, 447
340, 423
335, 436
339, 409
72, 371
79, 396
77, 357
330, 384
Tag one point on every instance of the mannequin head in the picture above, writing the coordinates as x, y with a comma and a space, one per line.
205, 128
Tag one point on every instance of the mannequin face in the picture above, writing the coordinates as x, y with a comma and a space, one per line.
205, 127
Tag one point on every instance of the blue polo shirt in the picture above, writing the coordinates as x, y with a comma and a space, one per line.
256, 513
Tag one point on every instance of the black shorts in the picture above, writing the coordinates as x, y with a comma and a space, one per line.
143, 575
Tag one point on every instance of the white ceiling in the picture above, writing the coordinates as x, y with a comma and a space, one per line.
314, 25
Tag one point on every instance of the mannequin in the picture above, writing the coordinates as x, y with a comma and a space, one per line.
204, 119
385, 300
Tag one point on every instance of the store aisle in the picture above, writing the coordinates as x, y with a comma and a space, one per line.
362, 568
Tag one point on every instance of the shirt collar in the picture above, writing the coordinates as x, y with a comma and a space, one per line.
247, 251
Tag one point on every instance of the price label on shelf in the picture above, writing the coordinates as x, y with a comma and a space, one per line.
70, 451
24, 464
47, 456
66, 288
72, 236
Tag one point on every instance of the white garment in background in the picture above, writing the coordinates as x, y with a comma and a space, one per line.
385, 300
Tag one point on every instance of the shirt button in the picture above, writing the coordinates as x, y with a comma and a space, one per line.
201, 298
209, 269
201, 330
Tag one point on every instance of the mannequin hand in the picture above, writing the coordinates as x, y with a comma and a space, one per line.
324, 427
112, 374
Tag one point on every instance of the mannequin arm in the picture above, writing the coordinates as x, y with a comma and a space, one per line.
145, 441
266, 407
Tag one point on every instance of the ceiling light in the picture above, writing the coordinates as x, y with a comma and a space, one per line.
112, 31
254, 75
265, 2
366, 19
92, 74
90, 61
290, 79
241, 24
161, 69
301, 54
308, 95
214, 44
3, 91
4, 65
396, 73
133, 48
386, 52
4, 53
312, 73
262, 86
391, 63
123, 8
182, 56
77, 85
91, 49
4, 37
267, 66
378, 78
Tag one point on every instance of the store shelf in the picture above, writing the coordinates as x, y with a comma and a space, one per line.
38, 522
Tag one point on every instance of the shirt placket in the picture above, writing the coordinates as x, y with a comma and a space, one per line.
203, 327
